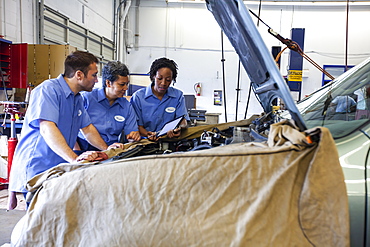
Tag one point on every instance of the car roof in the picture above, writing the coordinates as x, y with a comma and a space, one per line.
267, 82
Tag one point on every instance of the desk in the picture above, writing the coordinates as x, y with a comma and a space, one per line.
210, 118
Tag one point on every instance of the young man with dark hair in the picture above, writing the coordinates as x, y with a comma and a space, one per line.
53, 119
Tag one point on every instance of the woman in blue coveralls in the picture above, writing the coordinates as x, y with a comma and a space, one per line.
110, 113
159, 103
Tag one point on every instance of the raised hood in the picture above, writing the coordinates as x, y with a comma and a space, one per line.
267, 82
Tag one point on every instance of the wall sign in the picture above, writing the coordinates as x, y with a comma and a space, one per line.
217, 97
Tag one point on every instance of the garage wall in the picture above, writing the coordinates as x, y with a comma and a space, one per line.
18, 17
86, 26
95, 15
189, 34
17, 21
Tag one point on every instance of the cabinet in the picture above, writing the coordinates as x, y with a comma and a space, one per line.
13, 64
46, 61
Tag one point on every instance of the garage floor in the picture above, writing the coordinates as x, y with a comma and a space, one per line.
8, 219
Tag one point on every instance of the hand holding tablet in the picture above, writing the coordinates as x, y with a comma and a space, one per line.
172, 125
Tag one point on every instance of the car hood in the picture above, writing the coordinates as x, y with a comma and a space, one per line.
267, 82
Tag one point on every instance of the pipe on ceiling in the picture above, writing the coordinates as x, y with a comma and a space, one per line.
137, 13
119, 19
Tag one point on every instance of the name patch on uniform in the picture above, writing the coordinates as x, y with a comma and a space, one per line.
79, 112
119, 118
170, 109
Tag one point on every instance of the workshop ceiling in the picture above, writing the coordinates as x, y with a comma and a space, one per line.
292, 1
285, 2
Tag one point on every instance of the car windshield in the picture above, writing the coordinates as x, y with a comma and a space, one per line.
343, 106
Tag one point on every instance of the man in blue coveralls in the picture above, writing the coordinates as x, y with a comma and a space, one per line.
54, 117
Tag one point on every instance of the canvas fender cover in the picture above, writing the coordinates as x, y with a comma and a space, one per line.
284, 192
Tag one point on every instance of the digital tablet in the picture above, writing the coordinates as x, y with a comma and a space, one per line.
170, 126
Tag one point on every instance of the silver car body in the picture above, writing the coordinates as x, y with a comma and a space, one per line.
351, 134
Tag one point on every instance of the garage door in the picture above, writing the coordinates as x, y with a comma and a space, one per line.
58, 29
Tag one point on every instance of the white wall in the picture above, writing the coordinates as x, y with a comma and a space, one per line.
97, 15
188, 34
18, 17
17, 21
191, 37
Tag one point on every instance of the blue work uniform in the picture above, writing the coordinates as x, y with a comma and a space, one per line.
109, 120
54, 101
344, 103
154, 113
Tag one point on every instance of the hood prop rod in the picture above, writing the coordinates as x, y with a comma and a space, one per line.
223, 74
292, 45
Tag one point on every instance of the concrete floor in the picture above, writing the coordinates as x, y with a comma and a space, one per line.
8, 219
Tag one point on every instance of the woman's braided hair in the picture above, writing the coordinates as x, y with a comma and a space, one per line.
163, 63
